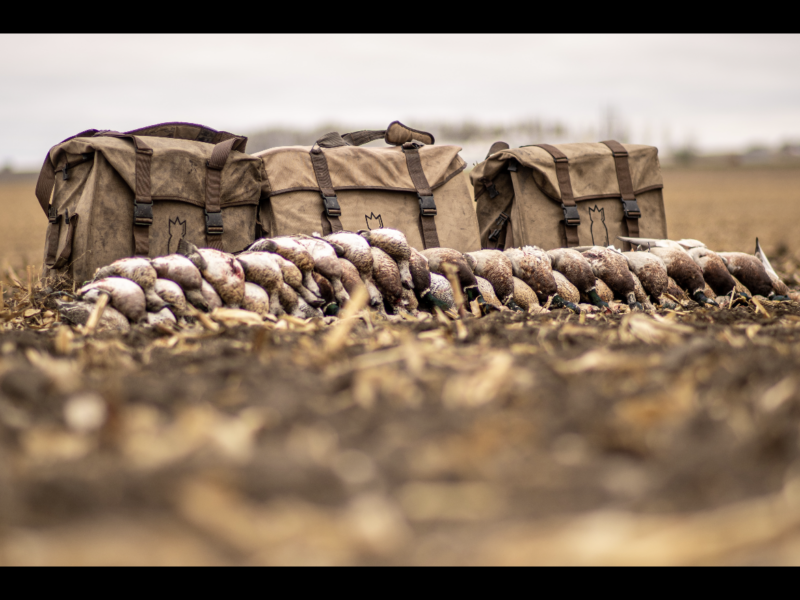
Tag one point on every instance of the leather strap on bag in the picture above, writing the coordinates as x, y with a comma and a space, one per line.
51, 261
329, 200
142, 192
629, 205
213, 210
571, 217
396, 134
427, 206
497, 236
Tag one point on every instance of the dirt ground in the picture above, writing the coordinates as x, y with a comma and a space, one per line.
510, 439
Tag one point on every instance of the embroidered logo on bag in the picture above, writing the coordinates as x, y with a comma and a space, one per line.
599, 229
374, 221
177, 231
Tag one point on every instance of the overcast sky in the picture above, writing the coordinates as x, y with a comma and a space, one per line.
717, 92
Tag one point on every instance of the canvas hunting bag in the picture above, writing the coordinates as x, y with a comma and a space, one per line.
569, 195
140, 192
412, 185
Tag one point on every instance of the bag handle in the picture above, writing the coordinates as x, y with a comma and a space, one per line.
629, 205
396, 134
47, 176
572, 219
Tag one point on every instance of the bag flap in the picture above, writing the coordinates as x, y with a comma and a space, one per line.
592, 170
289, 168
178, 168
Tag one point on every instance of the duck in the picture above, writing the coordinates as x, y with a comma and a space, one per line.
295, 306
566, 290
524, 296
163, 317
351, 280
172, 294
386, 275
256, 299
330, 308
604, 291
222, 270
534, 266
680, 266
578, 271
610, 265
410, 302
178, 268
496, 268
751, 272
650, 271
140, 271
715, 270
125, 296
395, 244
642, 296
326, 263
78, 313
488, 293
421, 279
357, 251
781, 290
439, 257
292, 250
674, 290
442, 292
210, 296
263, 269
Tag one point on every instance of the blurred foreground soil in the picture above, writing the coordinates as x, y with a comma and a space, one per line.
511, 439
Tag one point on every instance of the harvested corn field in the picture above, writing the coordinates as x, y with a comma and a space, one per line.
514, 438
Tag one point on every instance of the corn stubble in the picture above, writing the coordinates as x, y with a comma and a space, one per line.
513, 438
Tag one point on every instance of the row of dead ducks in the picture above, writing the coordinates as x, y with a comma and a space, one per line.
308, 276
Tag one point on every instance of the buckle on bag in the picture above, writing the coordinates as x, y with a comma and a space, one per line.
571, 216
427, 207
631, 209
213, 223
52, 214
332, 208
142, 214
500, 222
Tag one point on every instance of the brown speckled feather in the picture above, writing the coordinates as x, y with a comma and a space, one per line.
612, 268
750, 271
357, 251
534, 266
140, 271
420, 272
487, 291
681, 268
386, 275
126, 296
394, 243
674, 290
714, 270
438, 257
566, 290
495, 267
171, 293
263, 269
255, 299
651, 271
524, 296
574, 267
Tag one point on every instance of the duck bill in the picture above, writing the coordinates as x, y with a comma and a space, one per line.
701, 298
